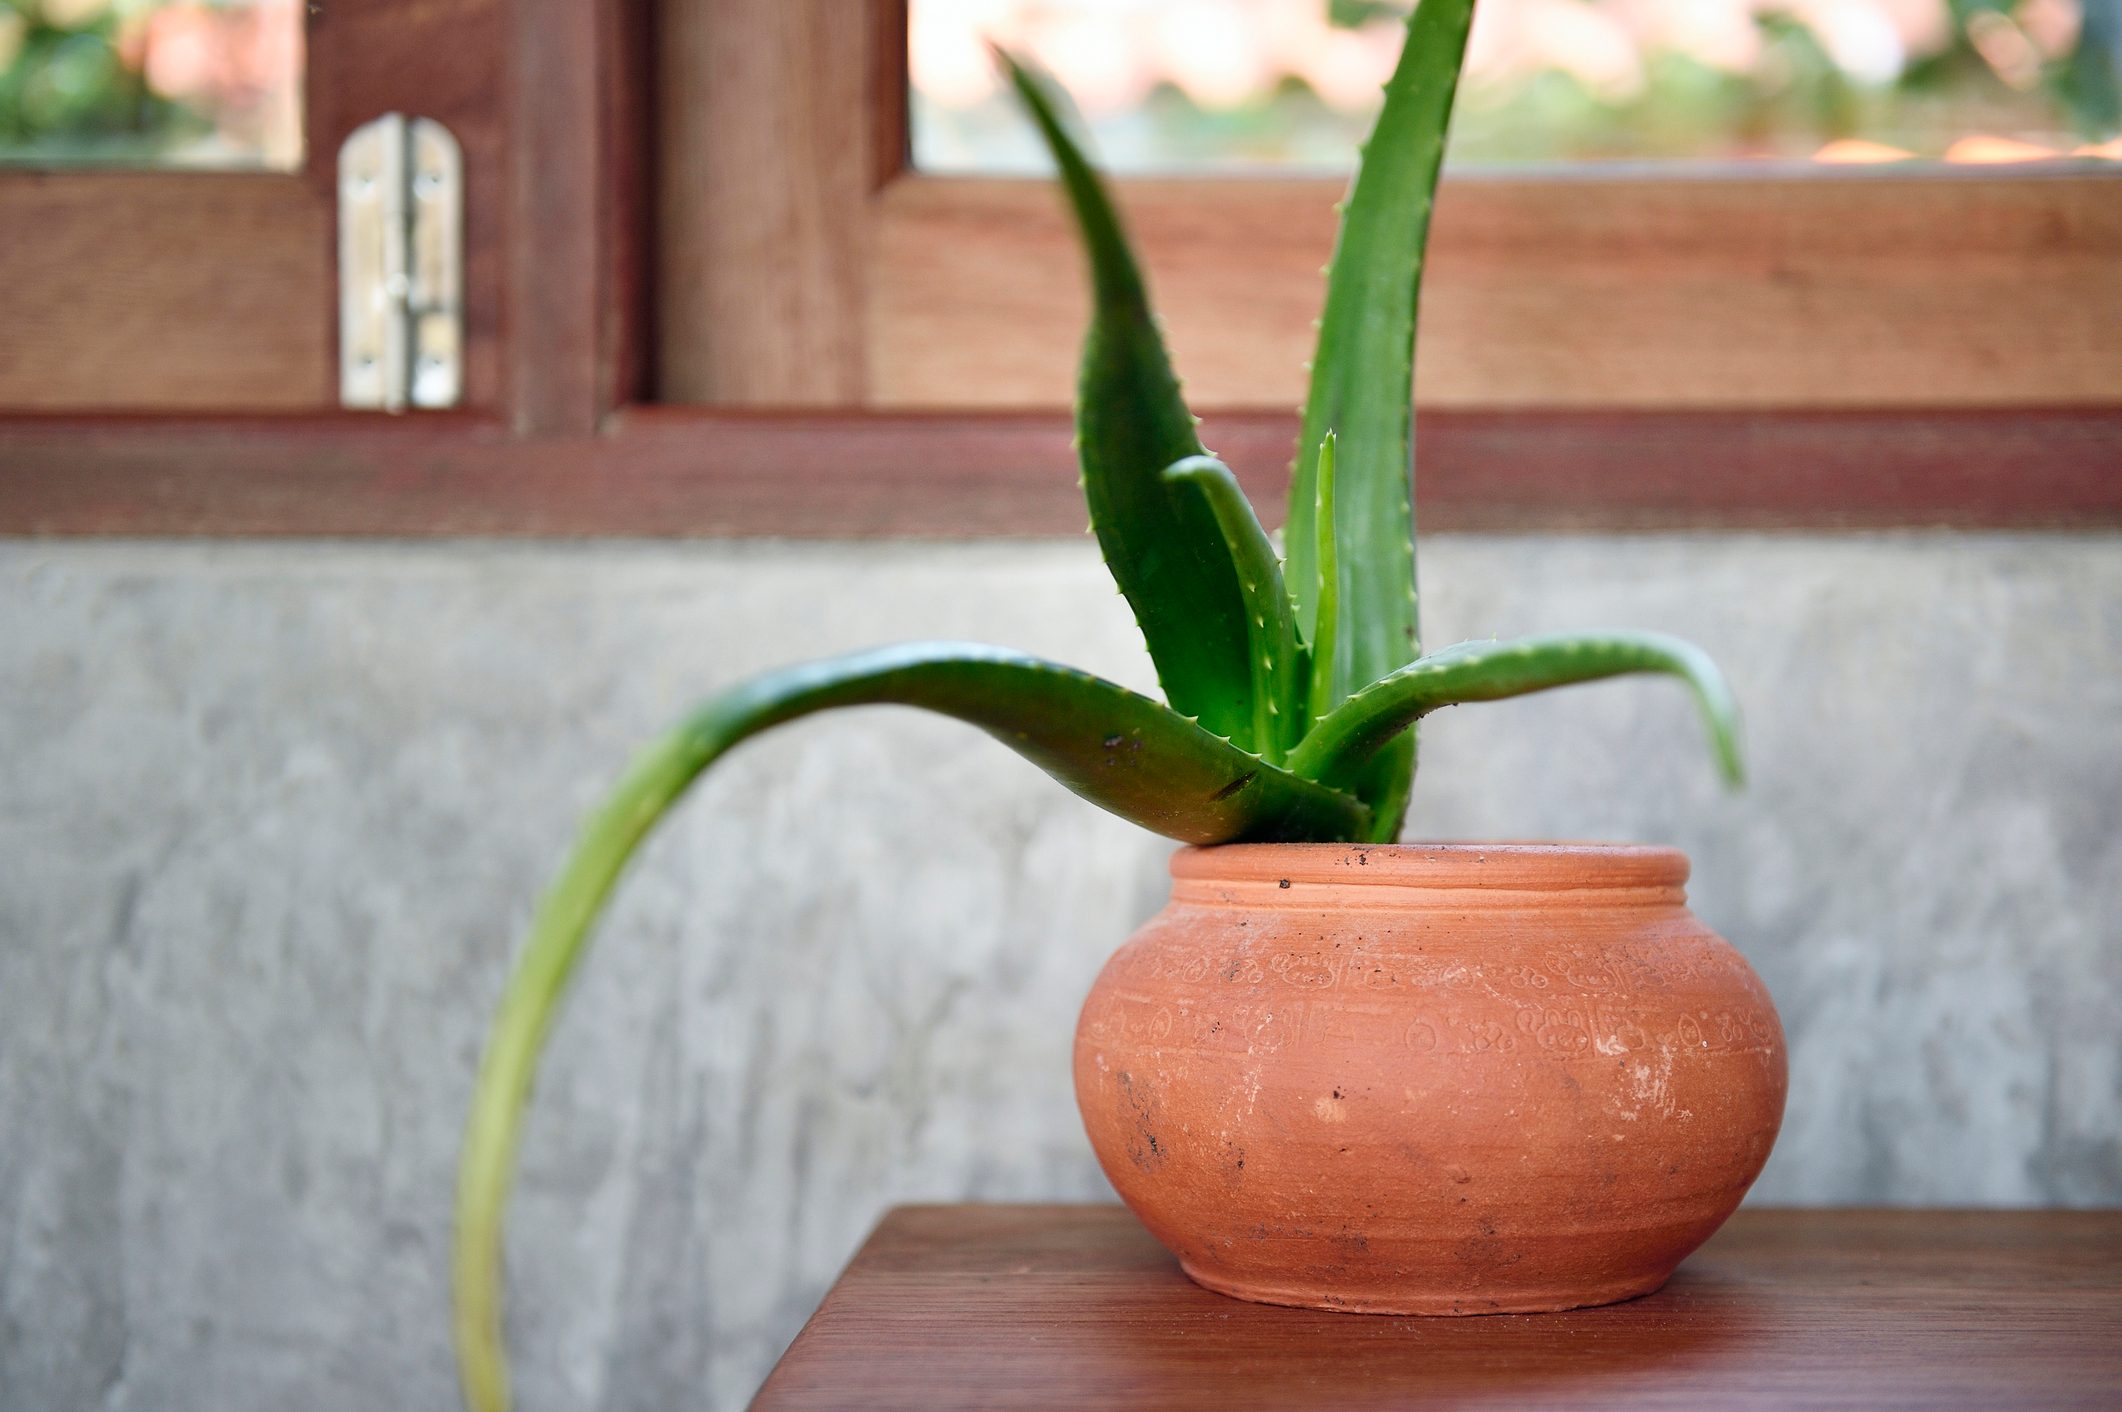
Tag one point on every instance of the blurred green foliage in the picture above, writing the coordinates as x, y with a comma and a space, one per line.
68, 92
2043, 72
1796, 96
71, 90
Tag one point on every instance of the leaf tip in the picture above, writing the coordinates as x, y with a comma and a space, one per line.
1731, 759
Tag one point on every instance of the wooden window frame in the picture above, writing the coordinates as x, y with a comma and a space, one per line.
808, 287
185, 290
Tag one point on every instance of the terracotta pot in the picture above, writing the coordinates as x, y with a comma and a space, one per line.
1456, 1079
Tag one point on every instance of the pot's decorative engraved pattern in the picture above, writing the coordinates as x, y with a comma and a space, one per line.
1457, 1079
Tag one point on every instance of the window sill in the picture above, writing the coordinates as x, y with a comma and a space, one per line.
679, 472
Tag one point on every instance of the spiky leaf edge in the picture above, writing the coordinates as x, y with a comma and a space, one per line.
1362, 385
1278, 659
1341, 747
1160, 540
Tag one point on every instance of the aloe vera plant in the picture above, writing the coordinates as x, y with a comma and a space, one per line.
1293, 683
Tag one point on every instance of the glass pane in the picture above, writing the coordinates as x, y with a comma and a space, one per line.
194, 83
1216, 84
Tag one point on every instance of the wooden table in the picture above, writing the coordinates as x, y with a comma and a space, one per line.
1075, 1306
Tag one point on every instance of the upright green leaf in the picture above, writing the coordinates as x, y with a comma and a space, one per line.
1160, 539
1341, 748
1279, 713
1329, 684
1363, 380
1117, 749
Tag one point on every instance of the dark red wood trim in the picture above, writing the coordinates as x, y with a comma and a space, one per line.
1963, 469
553, 248
626, 169
891, 129
677, 472
578, 145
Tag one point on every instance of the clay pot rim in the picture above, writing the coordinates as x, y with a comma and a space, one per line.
1513, 865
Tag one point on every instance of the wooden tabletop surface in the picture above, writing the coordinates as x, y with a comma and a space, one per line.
1075, 1306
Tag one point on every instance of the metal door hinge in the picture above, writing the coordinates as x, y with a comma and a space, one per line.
401, 265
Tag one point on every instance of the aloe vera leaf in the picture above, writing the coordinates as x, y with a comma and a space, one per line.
1160, 540
1329, 676
1278, 689
1362, 386
1339, 747
1390, 776
1123, 751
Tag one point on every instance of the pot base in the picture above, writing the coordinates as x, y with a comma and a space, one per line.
1437, 1304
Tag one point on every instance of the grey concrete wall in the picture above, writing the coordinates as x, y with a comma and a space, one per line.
272, 817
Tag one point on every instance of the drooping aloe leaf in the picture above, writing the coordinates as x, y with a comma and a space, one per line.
1279, 717
1114, 747
1340, 748
1362, 384
1160, 540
